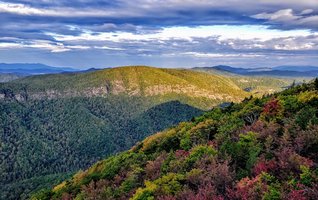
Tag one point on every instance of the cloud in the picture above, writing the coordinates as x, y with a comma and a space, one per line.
215, 43
205, 41
306, 12
289, 20
183, 33
54, 47
157, 31
155, 14
23, 9
280, 16
222, 55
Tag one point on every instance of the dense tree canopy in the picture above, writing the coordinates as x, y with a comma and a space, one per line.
219, 155
43, 141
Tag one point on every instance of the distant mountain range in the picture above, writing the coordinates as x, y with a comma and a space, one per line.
16, 70
281, 71
13, 71
32, 69
296, 68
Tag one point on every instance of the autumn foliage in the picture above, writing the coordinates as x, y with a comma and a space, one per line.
263, 148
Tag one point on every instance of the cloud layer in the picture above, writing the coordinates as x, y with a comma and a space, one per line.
168, 33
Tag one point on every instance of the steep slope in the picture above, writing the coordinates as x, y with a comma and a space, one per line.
258, 85
6, 77
40, 138
197, 89
262, 148
56, 124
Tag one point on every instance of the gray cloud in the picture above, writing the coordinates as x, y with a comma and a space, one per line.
125, 31
289, 20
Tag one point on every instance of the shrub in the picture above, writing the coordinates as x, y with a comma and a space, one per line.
264, 166
306, 116
306, 175
198, 152
185, 142
247, 150
170, 184
202, 132
272, 110
146, 193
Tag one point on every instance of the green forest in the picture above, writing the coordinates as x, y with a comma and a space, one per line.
54, 125
43, 140
261, 148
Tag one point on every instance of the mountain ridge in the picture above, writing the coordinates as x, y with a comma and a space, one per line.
279, 71
300, 68
32, 68
44, 132
131, 81
261, 148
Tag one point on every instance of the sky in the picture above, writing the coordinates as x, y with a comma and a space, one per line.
162, 33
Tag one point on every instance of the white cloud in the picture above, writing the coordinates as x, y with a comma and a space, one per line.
288, 19
281, 15
109, 48
306, 12
23, 9
44, 45
7, 45
186, 33
178, 39
221, 55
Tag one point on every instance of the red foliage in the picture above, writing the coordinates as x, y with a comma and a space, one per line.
205, 192
165, 198
218, 173
213, 144
289, 161
247, 189
153, 167
66, 196
272, 107
181, 153
118, 179
312, 193
302, 192
262, 128
307, 162
246, 182
296, 195
264, 166
306, 140
94, 189
221, 175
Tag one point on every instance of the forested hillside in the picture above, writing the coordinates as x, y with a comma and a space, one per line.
53, 125
257, 85
262, 148
8, 77
197, 89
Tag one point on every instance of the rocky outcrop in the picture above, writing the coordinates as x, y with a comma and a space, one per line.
118, 87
